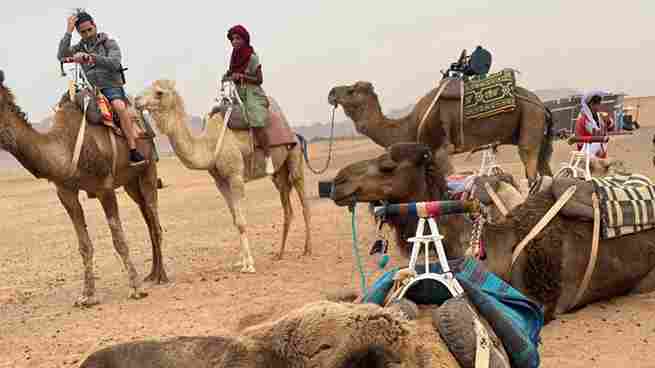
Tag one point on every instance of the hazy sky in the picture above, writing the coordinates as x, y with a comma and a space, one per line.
306, 47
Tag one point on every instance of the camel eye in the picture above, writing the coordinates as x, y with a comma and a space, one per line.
159, 94
387, 166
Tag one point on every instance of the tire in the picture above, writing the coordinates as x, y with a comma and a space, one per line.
454, 322
408, 308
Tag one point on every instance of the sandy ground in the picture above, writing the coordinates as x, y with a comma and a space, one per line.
41, 269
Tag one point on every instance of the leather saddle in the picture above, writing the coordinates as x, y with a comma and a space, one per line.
94, 116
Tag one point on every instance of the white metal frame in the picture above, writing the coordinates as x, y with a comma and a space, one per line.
578, 165
446, 278
489, 165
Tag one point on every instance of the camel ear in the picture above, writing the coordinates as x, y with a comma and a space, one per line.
414, 152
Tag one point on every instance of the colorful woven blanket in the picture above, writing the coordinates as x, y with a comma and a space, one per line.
516, 319
627, 204
492, 95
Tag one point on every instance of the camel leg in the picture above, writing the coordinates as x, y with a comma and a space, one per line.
529, 158
646, 285
283, 185
144, 196
232, 190
110, 206
297, 178
69, 199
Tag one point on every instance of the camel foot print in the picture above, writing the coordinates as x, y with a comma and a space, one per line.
278, 257
307, 252
86, 302
137, 294
157, 277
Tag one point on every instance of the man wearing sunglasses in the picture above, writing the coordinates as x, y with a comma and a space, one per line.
100, 57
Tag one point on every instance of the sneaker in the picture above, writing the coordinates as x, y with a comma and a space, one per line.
136, 158
270, 169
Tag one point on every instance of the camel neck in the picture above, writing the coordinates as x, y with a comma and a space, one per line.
32, 149
384, 131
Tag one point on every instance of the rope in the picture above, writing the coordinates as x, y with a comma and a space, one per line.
358, 259
303, 141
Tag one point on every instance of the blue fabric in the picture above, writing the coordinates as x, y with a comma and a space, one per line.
516, 319
114, 93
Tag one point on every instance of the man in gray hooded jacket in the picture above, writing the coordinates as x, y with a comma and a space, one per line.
100, 58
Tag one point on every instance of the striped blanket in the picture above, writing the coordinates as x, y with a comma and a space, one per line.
627, 204
516, 319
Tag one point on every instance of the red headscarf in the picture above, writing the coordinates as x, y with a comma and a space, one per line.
241, 56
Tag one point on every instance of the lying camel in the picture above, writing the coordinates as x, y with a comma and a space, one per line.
320, 334
552, 266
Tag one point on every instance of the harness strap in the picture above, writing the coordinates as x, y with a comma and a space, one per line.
594, 252
114, 152
427, 112
461, 112
542, 223
496, 199
219, 143
80, 138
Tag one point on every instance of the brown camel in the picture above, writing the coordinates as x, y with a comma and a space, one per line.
552, 266
406, 173
229, 167
528, 126
49, 156
320, 334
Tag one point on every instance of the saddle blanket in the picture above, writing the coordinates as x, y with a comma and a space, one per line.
516, 319
489, 96
627, 204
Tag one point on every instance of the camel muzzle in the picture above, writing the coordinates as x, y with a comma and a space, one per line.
326, 189
332, 97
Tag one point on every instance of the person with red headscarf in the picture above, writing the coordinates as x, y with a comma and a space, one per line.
246, 71
591, 122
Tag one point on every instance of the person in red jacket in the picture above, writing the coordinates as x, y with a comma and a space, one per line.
591, 123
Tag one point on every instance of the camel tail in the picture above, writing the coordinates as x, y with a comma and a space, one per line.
546, 151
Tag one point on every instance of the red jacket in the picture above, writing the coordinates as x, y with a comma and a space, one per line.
581, 130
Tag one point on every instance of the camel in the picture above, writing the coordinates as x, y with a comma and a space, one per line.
49, 156
524, 127
319, 334
228, 167
551, 268
407, 173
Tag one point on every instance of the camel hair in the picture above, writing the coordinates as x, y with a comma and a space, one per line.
227, 166
49, 156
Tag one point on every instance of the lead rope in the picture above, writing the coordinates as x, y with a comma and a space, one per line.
329, 159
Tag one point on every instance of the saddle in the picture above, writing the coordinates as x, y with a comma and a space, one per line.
94, 115
627, 202
277, 130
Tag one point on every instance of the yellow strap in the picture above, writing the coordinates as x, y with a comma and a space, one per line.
594, 253
80, 138
427, 112
543, 222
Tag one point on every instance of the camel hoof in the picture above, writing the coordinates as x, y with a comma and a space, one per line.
136, 294
248, 269
86, 302
157, 278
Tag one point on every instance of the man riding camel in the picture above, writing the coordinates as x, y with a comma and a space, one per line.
100, 58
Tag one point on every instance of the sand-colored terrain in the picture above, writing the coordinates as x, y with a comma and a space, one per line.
41, 269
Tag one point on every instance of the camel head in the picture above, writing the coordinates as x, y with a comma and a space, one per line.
162, 101
355, 99
402, 174
9, 112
